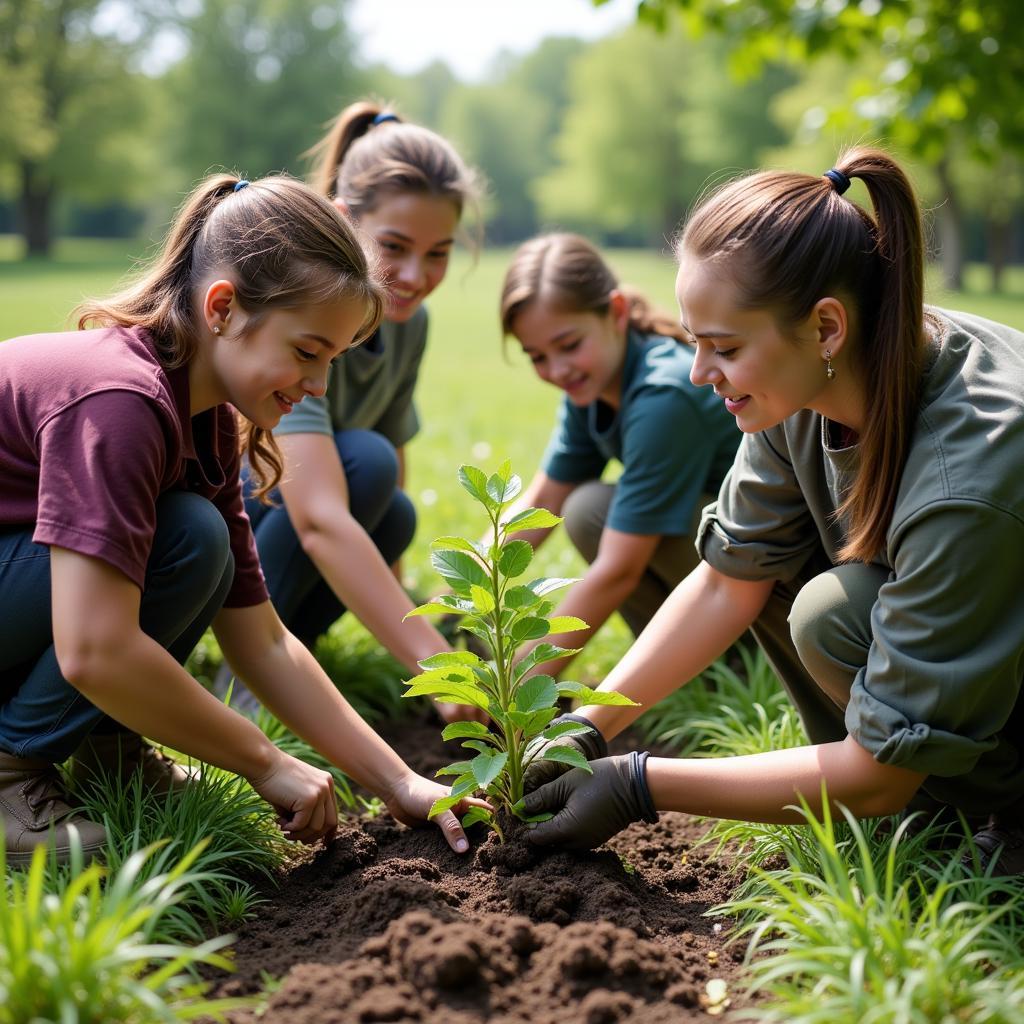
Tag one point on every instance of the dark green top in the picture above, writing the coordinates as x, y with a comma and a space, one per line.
940, 693
675, 441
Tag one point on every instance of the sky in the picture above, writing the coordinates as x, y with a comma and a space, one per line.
468, 34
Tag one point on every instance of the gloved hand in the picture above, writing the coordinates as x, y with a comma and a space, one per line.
592, 808
590, 744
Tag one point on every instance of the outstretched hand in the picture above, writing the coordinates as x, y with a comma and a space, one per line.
590, 808
590, 744
411, 800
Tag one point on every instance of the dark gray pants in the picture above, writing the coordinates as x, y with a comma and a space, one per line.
585, 513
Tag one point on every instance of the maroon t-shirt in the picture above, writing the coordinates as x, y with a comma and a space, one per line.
92, 430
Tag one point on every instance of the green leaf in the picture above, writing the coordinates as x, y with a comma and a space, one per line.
515, 557
455, 768
442, 678
530, 628
565, 729
543, 816
536, 693
475, 481
566, 624
454, 544
567, 755
520, 597
451, 659
504, 485
459, 569
459, 730
483, 600
475, 814
480, 746
433, 608
541, 653
549, 584
454, 693
609, 698
445, 803
487, 767
464, 785
532, 519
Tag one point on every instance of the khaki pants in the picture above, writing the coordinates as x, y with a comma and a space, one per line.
585, 513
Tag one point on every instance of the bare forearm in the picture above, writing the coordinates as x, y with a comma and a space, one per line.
174, 709
358, 574
289, 680
698, 622
765, 787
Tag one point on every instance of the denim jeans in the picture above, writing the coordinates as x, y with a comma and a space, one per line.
303, 600
188, 576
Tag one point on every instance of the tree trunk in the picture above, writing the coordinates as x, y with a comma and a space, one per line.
950, 232
34, 209
998, 233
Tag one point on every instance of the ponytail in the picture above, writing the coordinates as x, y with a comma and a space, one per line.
370, 152
282, 245
791, 239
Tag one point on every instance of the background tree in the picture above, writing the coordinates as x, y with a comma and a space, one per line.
71, 110
949, 87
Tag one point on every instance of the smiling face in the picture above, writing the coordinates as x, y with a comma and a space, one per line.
762, 373
414, 235
581, 353
266, 371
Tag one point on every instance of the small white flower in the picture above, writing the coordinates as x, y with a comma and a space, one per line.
428, 497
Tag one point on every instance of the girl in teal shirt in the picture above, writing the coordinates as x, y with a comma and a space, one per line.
625, 373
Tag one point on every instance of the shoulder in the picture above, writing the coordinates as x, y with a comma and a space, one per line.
970, 428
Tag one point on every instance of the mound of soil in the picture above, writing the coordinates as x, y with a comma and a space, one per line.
387, 924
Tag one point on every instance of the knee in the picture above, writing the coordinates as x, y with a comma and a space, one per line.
584, 515
191, 539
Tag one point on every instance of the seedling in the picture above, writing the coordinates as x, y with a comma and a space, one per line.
506, 616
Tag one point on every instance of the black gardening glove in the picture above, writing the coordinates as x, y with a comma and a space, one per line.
590, 744
591, 808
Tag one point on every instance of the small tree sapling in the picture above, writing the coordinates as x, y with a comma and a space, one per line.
505, 615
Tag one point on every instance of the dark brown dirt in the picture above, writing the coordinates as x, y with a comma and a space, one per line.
387, 924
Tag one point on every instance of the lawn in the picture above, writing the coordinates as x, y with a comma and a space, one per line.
860, 926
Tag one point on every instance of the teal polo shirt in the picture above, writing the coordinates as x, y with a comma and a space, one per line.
676, 441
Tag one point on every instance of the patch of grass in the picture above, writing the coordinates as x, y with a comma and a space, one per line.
92, 953
853, 937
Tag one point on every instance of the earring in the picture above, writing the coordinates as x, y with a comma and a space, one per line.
829, 372
215, 328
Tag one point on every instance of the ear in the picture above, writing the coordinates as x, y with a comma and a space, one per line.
618, 310
831, 323
342, 207
218, 302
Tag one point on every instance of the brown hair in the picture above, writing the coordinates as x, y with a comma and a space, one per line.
791, 239
282, 245
358, 161
567, 272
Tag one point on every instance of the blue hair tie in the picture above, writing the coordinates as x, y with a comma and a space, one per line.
840, 182
239, 185
381, 118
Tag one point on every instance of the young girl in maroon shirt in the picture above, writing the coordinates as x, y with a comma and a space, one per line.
122, 529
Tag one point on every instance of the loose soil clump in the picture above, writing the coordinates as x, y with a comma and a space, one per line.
386, 924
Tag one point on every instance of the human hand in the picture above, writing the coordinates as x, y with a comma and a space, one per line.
410, 802
590, 809
590, 744
301, 795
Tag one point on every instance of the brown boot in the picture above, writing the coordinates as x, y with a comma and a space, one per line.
122, 754
35, 812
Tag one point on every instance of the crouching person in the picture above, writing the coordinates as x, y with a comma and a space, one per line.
123, 534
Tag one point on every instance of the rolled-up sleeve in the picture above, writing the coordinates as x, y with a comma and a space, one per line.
760, 527
944, 670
